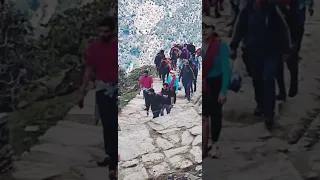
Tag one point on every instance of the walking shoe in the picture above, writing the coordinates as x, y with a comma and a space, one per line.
104, 162
257, 112
293, 91
281, 97
214, 151
269, 122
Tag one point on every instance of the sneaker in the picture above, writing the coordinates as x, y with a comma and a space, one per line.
214, 150
268, 123
293, 91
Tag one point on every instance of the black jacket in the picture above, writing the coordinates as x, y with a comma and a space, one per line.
155, 102
264, 30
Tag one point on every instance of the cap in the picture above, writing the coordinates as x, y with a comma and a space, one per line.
151, 90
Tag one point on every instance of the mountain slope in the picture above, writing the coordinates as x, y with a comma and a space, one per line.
145, 27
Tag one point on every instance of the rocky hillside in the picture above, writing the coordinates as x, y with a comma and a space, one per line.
146, 26
32, 70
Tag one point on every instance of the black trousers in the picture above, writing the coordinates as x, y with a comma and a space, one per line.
212, 108
108, 110
246, 60
292, 64
174, 95
164, 75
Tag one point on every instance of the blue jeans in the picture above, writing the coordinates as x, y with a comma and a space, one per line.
187, 87
156, 113
264, 71
167, 108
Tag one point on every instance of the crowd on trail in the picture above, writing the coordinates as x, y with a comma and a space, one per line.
182, 65
270, 33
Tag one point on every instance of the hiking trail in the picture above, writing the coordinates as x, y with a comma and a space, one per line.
291, 150
169, 144
68, 150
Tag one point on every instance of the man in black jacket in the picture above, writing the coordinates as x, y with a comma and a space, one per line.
187, 76
168, 102
192, 49
291, 14
155, 101
267, 39
157, 61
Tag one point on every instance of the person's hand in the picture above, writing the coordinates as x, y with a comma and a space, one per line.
80, 99
222, 99
311, 11
233, 54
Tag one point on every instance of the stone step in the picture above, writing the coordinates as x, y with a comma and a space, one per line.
72, 137
38, 171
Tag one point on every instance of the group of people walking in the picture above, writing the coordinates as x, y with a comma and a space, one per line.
168, 70
271, 33
183, 60
162, 101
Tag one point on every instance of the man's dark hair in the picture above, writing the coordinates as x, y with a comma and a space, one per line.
161, 51
165, 84
164, 58
151, 90
146, 71
108, 22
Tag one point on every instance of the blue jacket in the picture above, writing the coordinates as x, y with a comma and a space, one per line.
175, 84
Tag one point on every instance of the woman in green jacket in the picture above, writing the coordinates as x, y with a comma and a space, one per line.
216, 72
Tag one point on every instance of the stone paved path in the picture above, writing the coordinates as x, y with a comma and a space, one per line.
67, 151
290, 152
168, 144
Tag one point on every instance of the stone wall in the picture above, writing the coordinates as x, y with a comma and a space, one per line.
5, 148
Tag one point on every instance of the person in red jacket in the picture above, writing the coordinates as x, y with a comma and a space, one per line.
102, 56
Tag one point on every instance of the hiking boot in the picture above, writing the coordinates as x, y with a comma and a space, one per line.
281, 97
293, 91
268, 123
257, 112
104, 162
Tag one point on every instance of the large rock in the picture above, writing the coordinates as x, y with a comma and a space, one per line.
134, 141
137, 173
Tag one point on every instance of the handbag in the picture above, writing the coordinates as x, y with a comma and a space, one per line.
235, 80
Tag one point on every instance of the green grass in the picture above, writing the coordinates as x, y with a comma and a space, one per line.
44, 114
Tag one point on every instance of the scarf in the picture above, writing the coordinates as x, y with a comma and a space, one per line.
210, 56
173, 80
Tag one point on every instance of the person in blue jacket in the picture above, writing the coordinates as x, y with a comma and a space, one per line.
173, 83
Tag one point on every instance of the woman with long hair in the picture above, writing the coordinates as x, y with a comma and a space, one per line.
216, 72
